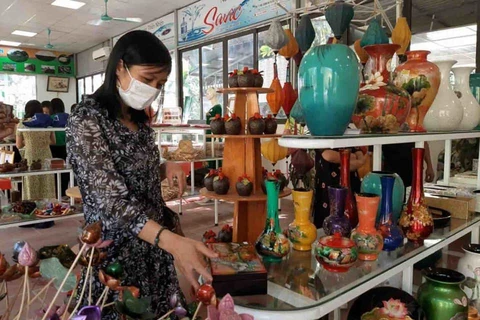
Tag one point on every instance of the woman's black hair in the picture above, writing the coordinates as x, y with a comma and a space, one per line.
134, 48
58, 106
32, 107
47, 104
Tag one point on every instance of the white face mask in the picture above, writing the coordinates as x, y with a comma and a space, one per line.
138, 95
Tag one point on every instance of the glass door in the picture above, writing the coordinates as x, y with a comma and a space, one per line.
191, 85
212, 76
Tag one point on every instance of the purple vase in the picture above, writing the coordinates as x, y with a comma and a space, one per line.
391, 232
337, 221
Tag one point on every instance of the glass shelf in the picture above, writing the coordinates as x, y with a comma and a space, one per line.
300, 283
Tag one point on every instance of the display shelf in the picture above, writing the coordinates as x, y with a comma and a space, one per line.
299, 286
245, 90
49, 129
34, 220
359, 140
232, 196
244, 136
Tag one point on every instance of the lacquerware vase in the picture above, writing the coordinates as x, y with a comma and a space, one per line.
350, 203
381, 106
369, 240
469, 266
391, 233
337, 221
328, 113
421, 79
446, 112
272, 244
301, 231
372, 183
441, 297
471, 109
416, 221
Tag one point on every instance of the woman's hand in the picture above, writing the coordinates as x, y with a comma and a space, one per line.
189, 257
429, 174
173, 170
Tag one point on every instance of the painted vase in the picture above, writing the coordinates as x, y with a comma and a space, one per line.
471, 109
369, 240
469, 266
381, 106
328, 113
391, 233
372, 183
416, 221
336, 253
337, 221
475, 85
446, 112
441, 297
301, 231
350, 204
272, 244
421, 79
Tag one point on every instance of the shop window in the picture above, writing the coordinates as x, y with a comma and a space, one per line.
97, 81
81, 89
17, 90
212, 75
170, 94
89, 85
191, 85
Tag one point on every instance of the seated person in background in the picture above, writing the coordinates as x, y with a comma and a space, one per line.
47, 107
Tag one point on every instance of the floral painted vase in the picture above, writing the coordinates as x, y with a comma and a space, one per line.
350, 203
381, 106
337, 221
441, 297
421, 79
328, 113
301, 231
469, 266
446, 112
369, 240
416, 221
272, 244
391, 233
471, 109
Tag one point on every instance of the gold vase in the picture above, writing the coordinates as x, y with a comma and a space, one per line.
302, 232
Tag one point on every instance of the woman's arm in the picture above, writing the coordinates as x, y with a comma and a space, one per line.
357, 159
52, 139
19, 140
358, 162
429, 173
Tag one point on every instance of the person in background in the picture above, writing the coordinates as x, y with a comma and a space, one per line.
72, 108
46, 107
327, 166
59, 149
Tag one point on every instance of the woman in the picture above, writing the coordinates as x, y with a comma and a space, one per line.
59, 149
117, 167
46, 107
37, 147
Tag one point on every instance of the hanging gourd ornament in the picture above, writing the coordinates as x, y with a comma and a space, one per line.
273, 152
361, 53
289, 95
401, 35
374, 34
291, 48
305, 33
339, 15
276, 37
276, 98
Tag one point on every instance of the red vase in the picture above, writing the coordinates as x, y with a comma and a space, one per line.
421, 79
416, 221
350, 204
381, 106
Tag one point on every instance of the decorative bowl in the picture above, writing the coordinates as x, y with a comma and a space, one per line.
336, 253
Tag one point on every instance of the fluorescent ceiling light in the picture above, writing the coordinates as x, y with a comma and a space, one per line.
24, 33
457, 42
450, 33
70, 4
10, 43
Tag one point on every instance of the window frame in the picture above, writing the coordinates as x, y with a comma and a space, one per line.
102, 74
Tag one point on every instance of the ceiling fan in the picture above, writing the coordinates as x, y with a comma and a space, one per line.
49, 45
106, 18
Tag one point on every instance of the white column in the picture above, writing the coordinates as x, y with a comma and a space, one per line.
407, 280
59, 187
377, 157
447, 162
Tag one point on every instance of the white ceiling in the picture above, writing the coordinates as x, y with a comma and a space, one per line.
70, 29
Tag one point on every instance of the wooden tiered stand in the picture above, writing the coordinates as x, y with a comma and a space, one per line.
242, 155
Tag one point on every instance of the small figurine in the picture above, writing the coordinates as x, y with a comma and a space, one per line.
22, 165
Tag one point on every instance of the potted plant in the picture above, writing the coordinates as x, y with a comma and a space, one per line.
208, 180
233, 125
256, 124
221, 184
217, 125
244, 186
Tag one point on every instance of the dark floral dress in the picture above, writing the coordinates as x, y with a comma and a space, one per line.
118, 172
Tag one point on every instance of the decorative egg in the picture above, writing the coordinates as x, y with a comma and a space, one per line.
92, 233
27, 256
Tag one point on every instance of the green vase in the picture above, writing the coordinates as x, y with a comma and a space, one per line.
272, 243
441, 297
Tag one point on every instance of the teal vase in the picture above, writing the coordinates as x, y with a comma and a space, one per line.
329, 80
371, 183
272, 244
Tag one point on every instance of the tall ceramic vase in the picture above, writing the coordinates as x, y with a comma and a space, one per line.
381, 106
391, 233
469, 266
369, 240
471, 109
350, 204
337, 221
272, 244
421, 79
328, 113
441, 297
301, 231
446, 112
416, 221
